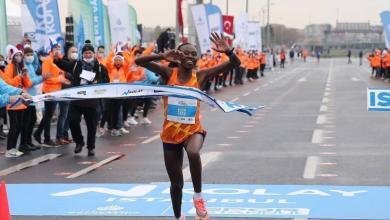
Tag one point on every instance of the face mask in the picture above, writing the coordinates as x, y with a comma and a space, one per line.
90, 60
2, 63
29, 59
74, 56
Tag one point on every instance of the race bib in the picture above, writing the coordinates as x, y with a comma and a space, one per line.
88, 75
181, 110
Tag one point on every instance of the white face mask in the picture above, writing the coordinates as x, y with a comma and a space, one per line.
29, 59
74, 56
89, 60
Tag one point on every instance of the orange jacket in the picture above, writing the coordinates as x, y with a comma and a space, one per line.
252, 63
203, 63
262, 58
386, 61
117, 75
375, 61
17, 81
52, 83
136, 73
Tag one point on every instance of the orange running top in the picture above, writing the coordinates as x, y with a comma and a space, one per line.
181, 114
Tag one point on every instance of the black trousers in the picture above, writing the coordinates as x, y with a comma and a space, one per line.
16, 119
50, 107
138, 102
262, 68
30, 118
114, 108
89, 113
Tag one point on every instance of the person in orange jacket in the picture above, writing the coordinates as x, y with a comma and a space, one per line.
118, 68
263, 62
17, 76
375, 61
53, 79
240, 71
252, 66
386, 65
282, 58
305, 53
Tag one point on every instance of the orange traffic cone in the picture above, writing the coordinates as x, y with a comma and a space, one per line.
4, 208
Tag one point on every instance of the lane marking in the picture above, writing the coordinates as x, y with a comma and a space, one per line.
325, 100
327, 145
147, 141
213, 109
224, 145
234, 100
303, 79
142, 137
323, 108
246, 94
28, 164
354, 79
328, 153
206, 159
328, 175
242, 131
257, 89
322, 119
311, 167
317, 136
95, 166
233, 137
328, 164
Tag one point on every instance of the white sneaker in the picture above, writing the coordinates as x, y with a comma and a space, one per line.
132, 121
126, 124
145, 121
124, 131
115, 133
13, 153
100, 132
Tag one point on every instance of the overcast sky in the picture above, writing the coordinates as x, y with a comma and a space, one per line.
292, 13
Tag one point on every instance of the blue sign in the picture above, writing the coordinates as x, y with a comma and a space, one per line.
378, 99
385, 17
245, 201
98, 21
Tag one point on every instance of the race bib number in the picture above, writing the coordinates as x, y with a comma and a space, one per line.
181, 110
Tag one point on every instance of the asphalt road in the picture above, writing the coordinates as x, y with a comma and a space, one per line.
315, 130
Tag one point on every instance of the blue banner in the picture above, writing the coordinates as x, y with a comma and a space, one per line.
214, 17
80, 35
98, 21
47, 21
378, 100
385, 17
223, 200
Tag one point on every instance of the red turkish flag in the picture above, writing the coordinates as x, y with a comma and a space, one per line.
180, 16
4, 208
228, 27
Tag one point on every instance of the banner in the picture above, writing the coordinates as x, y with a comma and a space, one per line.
47, 23
228, 27
254, 36
140, 90
378, 99
3, 28
214, 17
200, 21
241, 30
385, 17
98, 21
135, 36
118, 13
82, 10
107, 34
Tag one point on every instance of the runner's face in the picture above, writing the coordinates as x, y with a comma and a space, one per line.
118, 62
190, 56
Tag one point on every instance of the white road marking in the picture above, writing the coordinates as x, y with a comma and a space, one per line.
327, 145
206, 159
95, 166
29, 163
213, 109
317, 136
303, 79
257, 89
224, 145
249, 126
147, 141
326, 93
246, 94
328, 175
328, 164
234, 100
242, 131
328, 153
311, 167
322, 119
325, 100
355, 79
323, 108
